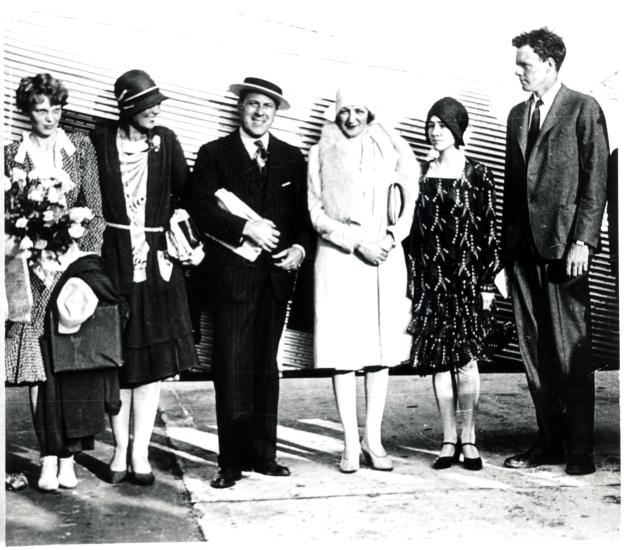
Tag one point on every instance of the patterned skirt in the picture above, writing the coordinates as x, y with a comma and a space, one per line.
448, 331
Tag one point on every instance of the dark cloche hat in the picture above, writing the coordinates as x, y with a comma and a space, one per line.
261, 86
453, 114
135, 91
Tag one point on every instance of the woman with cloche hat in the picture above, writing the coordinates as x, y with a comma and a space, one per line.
142, 173
454, 258
361, 306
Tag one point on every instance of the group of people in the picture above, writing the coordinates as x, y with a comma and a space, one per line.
405, 260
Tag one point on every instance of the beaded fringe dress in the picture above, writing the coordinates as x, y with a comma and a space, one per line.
453, 258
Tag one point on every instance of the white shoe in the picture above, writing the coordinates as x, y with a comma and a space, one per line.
48, 480
66, 475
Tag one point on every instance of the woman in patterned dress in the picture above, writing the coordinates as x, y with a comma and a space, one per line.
48, 149
142, 171
454, 258
362, 310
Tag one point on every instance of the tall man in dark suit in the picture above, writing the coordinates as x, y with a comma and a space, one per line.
250, 297
554, 199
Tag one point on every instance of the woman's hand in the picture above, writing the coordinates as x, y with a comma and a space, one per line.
372, 253
488, 300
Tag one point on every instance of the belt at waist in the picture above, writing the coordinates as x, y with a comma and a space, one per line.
129, 227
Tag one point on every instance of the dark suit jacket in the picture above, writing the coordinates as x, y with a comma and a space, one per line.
224, 163
563, 183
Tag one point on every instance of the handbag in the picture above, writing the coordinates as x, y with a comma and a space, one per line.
396, 202
183, 240
97, 345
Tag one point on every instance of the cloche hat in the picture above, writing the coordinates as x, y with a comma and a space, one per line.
135, 91
453, 114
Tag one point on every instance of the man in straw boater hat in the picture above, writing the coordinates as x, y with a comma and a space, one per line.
250, 294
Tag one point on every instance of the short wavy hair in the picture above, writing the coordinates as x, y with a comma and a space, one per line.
544, 43
31, 88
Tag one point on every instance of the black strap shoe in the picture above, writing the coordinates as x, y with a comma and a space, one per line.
472, 463
443, 462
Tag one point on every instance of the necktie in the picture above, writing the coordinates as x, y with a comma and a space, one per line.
261, 154
534, 127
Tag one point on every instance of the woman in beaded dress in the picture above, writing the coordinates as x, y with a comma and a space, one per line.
142, 173
454, 258
46, 148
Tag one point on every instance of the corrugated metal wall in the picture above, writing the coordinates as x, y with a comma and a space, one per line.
200, 115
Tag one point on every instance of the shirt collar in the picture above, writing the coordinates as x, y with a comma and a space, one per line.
548, 97
250, 142
63, 143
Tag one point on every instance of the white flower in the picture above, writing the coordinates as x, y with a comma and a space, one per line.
26, 243
40, 244
48, 216
34, 174
76, 231
54, 195
6, 183
36, 193
156, 143
21, 222
79, 214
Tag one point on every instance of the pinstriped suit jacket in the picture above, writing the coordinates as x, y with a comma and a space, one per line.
224, 163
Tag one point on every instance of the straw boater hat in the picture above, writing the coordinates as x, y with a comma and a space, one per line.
135, 91
258, 85
76, 302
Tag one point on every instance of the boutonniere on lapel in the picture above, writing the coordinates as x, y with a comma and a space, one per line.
154, 143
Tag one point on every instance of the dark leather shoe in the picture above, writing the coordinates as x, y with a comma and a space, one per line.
115, 476
535, 456
580, 465
224, 478
273, 469
141, 479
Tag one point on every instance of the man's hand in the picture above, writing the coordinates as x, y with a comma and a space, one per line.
577, 260
289, 259
372, 253
263, 233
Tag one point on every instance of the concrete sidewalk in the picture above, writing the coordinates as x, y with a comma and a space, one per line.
318, 503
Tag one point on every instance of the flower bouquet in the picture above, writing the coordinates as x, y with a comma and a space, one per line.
41, 233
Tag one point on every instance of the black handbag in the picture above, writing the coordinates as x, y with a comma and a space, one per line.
97, 345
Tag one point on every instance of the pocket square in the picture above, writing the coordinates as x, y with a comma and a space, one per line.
286, 183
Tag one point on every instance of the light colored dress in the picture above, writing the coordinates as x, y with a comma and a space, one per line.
361, 311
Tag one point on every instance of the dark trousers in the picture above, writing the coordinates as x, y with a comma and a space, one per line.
246, 378
552, 314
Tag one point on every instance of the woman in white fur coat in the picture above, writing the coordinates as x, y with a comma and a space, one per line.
361, 306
